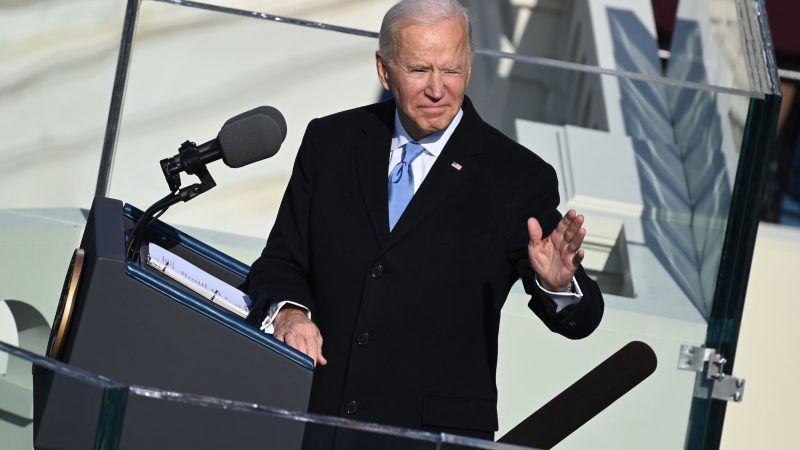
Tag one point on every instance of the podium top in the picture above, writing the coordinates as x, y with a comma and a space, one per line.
193, 301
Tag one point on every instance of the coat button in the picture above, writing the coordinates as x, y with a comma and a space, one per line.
363, 338
571, 323
351, 407
376, 271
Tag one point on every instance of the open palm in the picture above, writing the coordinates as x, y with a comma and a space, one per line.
556, 257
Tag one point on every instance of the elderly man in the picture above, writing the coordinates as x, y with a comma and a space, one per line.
402, 230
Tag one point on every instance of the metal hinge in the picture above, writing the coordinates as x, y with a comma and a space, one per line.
700, 359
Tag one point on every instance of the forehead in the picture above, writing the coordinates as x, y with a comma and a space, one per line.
442, 41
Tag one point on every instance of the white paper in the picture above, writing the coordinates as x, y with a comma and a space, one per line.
198, 280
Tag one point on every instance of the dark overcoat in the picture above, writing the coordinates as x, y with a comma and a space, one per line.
410, 318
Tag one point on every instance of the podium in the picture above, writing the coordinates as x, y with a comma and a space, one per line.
126, 321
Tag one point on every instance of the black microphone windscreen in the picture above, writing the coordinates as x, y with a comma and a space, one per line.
266, 110
586, 398
249, 137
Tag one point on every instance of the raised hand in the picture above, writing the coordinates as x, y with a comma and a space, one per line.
293, 327
556, 257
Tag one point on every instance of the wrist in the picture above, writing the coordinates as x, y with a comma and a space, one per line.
567, 288
288, 310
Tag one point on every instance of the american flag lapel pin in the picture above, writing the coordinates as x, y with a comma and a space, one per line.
456, 165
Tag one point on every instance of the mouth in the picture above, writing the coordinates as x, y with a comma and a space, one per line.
433, 108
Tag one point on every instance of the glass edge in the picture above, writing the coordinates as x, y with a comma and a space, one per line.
59, 367
707, 416
527, 59
318, 419
757, 45
773, 79
115, 397
111, 418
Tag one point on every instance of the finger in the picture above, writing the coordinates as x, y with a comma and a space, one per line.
302, 345
575, 224
578, 259
290, 339
577, 240
297, 342
312, 352
322, 361
534, 231
569, 217
562, 225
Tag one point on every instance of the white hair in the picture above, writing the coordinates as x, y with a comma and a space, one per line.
418, 12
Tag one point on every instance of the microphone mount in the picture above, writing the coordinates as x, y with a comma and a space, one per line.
190, 160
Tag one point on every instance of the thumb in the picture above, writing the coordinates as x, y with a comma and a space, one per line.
534, 231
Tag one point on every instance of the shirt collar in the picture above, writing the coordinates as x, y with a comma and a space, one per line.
434, 143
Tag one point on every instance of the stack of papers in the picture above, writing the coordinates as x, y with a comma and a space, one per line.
198, 280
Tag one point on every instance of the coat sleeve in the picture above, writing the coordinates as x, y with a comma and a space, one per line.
281, 272
539, 198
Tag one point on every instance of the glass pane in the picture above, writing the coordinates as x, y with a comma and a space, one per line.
340, 13
185, 83
651, 166
620, 35
651, 161
613, 35
648, 152
73, 408
55, 87
664, 155
48, 404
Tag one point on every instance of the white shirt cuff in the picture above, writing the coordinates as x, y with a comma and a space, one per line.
563, 299
268, 326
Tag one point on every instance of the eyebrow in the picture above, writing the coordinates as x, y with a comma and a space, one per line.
457, 67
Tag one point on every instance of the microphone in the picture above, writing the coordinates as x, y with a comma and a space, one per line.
244, 139
586, 398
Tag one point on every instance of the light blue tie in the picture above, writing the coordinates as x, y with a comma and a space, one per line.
401, 183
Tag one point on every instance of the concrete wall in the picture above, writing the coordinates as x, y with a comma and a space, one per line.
767, 348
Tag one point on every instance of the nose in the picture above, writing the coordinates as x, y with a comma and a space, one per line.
435, 86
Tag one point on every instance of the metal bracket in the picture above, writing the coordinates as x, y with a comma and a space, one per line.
700, 359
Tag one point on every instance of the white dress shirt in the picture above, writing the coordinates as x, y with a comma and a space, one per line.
433, 144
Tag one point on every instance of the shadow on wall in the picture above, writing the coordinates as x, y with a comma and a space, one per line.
679, 157
33, 332
698, 132
661, 118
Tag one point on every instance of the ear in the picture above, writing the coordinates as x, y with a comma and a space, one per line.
383, 70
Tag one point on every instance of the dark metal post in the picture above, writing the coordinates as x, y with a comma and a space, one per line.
117, 98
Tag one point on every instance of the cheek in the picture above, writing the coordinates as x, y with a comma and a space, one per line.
456, 87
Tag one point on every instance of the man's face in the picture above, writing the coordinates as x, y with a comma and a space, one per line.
428, 76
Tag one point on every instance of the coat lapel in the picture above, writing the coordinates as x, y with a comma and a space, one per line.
372, 160
444, 177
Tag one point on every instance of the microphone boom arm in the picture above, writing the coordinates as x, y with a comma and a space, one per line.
187, 159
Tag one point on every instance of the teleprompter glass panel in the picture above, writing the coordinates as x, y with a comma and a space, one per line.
55, 85
76, 409
651, 160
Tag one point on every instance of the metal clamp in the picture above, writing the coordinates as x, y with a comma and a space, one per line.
700, 359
